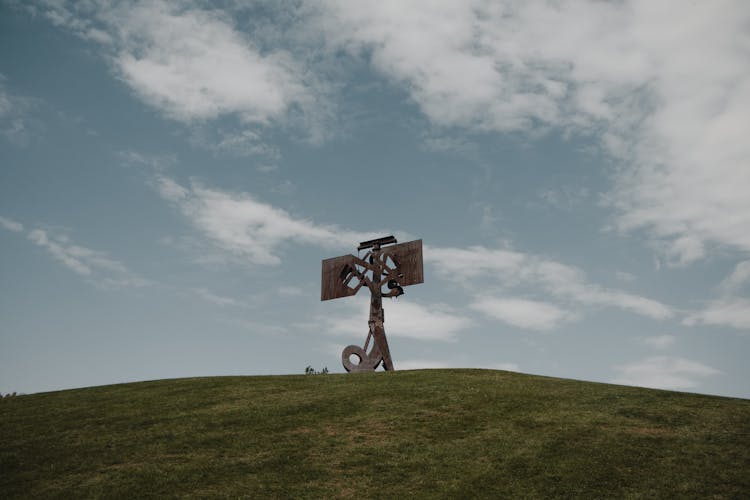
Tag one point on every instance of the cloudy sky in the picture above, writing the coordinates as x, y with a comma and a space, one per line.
172, 174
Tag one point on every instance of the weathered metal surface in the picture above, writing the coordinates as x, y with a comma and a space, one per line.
393, 267
332, 284
408, 257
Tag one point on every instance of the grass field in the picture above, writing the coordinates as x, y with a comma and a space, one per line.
431, 433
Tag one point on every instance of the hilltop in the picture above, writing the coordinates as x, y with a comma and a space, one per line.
430, 433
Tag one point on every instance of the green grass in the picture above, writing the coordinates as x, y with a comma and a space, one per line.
433, 433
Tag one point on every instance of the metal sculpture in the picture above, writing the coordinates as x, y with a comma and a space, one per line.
393, 267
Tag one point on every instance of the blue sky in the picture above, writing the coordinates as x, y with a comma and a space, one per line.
173, 173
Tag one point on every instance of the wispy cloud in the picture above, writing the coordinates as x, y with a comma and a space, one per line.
290, 291
72, 257
624, 277
246, 228
660, 341
738, 280
190, 61
14, 115
96, 267
523, 313
726, 311
219, 300
511, 269
664, 372
731, 307
243, 142
11, 225
564, 197
194, 65
149, 164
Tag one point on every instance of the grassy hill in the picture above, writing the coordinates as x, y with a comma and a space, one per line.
432, 433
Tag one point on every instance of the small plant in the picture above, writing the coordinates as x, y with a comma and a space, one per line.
311, 371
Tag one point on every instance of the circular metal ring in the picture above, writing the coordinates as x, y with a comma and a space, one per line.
365, 364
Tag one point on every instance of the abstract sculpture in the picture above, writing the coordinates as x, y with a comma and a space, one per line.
393, 267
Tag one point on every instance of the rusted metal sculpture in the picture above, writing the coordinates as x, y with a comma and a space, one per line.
393, 267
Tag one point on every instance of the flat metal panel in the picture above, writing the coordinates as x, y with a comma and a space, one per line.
331, 285
408, 256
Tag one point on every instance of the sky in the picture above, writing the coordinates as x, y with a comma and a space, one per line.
173, 173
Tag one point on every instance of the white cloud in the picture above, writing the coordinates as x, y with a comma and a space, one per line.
739, 278
193, 65
290, 291
664, 372
731, 308
496, 65
509, 268
10, 224
725, 311
14, 113
246, 228
566, 281
5, 101
219, 300
68, 258
462, 264
285, 187
444, 55
565, 197
660, 341
238, 143
7, 105
402, 319
95, 266
523, 313
624, 277
690, 183
664, 86
190, 61
265, 168
149, 163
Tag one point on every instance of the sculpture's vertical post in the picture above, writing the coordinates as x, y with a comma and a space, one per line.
377, 316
